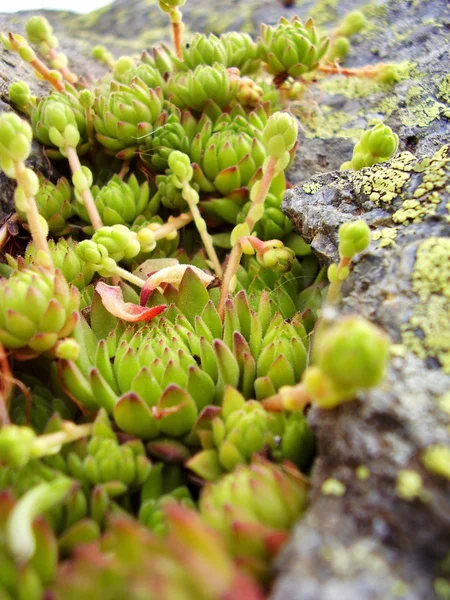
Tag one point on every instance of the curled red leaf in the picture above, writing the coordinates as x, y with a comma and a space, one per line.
113, 301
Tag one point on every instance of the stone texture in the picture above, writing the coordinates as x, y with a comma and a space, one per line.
370, 543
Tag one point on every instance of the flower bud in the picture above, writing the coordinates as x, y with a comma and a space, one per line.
19, 94
376, 145
86, 98
352, 23
38, 29
119, 241
15, 137
67, 349
180, 164
354, 237
280, 134
352, 353
16, 445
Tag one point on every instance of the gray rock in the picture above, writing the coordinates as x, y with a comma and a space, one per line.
371, 542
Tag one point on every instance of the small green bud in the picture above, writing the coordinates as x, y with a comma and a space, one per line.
16, 444
71, 136
123, 65
86, 98
180, 165
38, 29
376, 145
19, 94
352, 23
388, 74
280, 134
146, 239
27, 53
82, 180
119, 241
67, 349
354, 237
101, 53
338, 49
353, 354
15, 137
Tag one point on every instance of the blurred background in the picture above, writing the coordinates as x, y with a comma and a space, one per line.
79, 6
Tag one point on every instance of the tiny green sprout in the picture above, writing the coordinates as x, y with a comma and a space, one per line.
352, 23
376, 145
353, 354
436, 459
339, 49
354, 237
97, 257
101, 54
280, 134
39, 30
19, 94
386, 73
86, 98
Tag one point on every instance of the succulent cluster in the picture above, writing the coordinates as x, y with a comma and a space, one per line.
155, 333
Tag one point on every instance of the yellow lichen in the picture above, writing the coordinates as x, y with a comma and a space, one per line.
386, 236
383, 184
311, 188
409, 484
428, 332
422, 109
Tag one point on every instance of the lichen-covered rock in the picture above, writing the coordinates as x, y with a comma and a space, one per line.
379, 522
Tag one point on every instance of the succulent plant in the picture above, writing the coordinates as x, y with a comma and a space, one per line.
157, 147
376, 145
155, 379
54, 204
64, 257
227, 161
202, 50
152, 511
291, 48
130, 562
103, 460
29, 579
50, 117
241, 51
254, 508
125, 114
38, 308
243, 429
205, 85
36, 404
126, 71
120, 202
